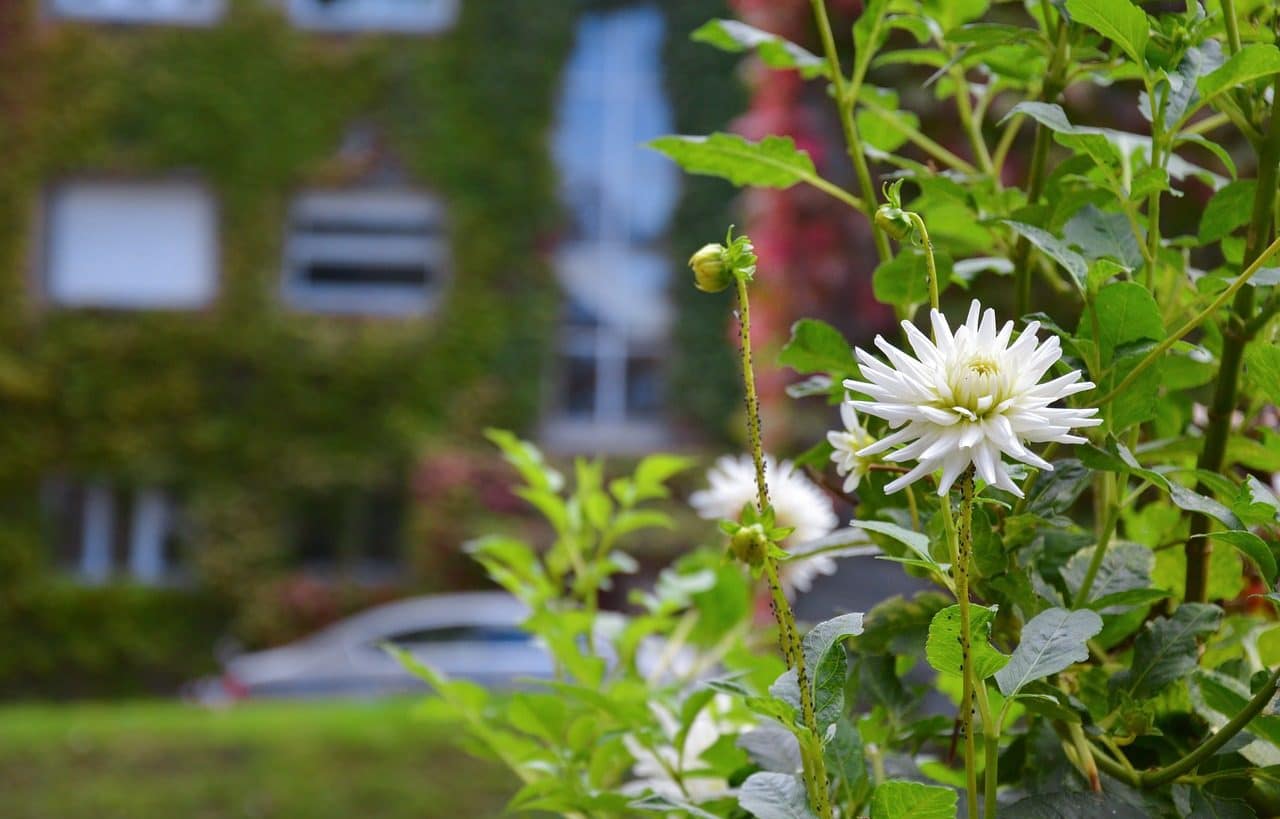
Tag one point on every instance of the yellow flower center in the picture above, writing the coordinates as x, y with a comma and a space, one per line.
977, 385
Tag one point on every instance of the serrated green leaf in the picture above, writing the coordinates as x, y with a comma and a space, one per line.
1166, 650
1252, 547
903, 281
824, 657
901, 799
1052, 641
1227, 210
768, 795
773, 162
1056, 249
817, 347
1072, 805
943, 648
915, 541
1098, 234
1119, 21
1262, 364
1125, 567
1126, 312
1252, 62
736, 37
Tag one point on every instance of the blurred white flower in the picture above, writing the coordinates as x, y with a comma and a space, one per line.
655, 767
969, 398
798, 503
847, 442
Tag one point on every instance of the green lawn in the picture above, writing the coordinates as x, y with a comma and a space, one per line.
267, 761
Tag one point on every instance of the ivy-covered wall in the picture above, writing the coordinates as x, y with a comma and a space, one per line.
247, 405
249, 400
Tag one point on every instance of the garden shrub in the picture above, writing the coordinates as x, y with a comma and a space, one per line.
1087, 480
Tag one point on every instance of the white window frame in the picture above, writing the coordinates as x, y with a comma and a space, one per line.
63, 282
374, 15
152, 519
610, 426
370, 224
141, 12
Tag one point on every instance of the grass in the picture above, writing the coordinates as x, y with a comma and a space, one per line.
261, 760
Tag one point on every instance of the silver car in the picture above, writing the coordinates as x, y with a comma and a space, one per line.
473, 635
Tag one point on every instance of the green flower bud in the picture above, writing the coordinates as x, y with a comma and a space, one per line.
711, 272
750, 544
894, 221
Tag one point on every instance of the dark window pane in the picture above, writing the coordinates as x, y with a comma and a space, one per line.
644, 385
580, 385
459, 634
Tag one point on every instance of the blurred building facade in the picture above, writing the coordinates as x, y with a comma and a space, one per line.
264, 260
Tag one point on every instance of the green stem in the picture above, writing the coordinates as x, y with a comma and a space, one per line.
1232, 25
1053, 84
915, 137
1104, 540
1206, 749
788, 634
1083, 750
1235, 337
972, 127
964, 543
1236, 287
930, 265
845, 101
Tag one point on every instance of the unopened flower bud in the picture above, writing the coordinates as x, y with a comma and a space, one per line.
894, 221
711, 272
750, 544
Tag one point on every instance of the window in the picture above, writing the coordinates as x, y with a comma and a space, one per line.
365, 252
414, 16
193, 12
351, 533
612, 268
103, 533
131, 245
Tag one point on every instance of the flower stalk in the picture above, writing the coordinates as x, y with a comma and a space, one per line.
960, 573
815, 771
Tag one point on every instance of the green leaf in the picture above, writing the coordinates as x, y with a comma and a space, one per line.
1197, 803
817, 347
1073, 805
900, 799
527, 459
1262, 363
1119, 21
1183, 93
1126, 312
1191, 501
1252, 547
943, 646
653, 472
1096, 143
903, 281
1166, 650
824, 656
1138, 402
1052, 641
776, 52
915, 541
1056, 249
666, 805
767, 795
1250, 63
1100, 234
773, 162
1227, 210
1125, 567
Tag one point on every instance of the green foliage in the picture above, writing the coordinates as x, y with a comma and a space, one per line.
1098, 674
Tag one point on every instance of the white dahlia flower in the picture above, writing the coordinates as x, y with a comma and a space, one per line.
654, 764
967, 398
798, 503
847, 443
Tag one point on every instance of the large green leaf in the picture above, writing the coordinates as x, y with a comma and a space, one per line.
1052, 641
767, 795
900, 799
1166, 650
943, 646
1227, 210
776, 52
1073, 805
1126, 312
817, 347
1056, 249
1097, 143
1119, 21
903, 281
666, 805
1250, 63
824, 657
773, 162
1125, 567
1252, 547
1262, 363
915, 541
1100, 234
